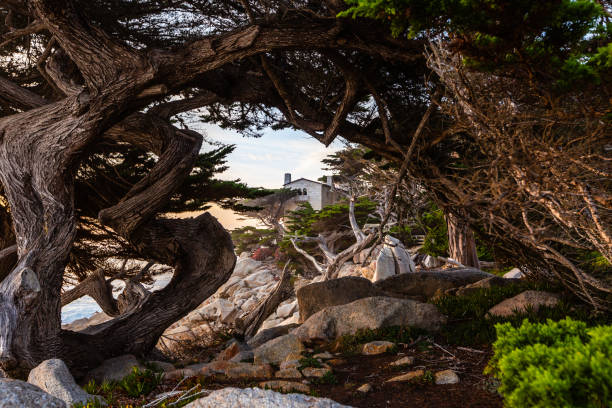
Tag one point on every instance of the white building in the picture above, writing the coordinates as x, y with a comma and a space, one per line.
317, 194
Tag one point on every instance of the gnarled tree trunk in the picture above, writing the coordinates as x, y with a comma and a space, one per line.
461, 242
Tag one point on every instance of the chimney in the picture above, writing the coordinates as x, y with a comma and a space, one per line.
330, 181
287, 178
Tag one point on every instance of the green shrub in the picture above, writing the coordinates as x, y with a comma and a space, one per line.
309, 362
556, 364
139, 383
468, 323
436, 232
248, 238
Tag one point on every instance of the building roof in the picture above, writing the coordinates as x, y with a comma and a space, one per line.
305, 179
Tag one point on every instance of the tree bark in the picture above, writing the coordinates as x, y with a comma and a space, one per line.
461, 243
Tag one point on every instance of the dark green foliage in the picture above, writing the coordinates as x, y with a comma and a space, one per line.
139, 382
594, 262
248, 238
467, 315
306, 221
567, 39
556, 364
436, 232
309, 362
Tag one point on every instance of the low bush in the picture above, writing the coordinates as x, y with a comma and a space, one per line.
468, 323
139, 382
553, 364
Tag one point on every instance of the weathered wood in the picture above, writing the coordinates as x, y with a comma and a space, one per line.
283, 290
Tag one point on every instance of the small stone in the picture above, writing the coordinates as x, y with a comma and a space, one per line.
288, 373
293, 363
408, 376
314, 372
377, 347
446, 377
324, 356
285, 386
408, 360
365, 388
336, 361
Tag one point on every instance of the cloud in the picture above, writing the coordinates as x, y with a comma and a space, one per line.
263, 161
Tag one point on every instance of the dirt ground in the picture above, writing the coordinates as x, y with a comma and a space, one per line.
474, 389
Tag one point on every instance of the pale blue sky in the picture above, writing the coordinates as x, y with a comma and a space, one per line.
264, 161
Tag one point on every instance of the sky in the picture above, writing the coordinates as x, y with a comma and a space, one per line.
262, 162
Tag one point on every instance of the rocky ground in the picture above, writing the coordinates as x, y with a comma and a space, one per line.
356, 341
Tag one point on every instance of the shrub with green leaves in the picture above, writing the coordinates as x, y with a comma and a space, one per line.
139, 382
554, 364
248, 238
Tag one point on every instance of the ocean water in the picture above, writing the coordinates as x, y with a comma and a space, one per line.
86, 306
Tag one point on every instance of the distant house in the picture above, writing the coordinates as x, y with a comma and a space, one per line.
317, 194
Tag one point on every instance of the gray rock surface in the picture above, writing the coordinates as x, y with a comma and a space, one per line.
276, 351
320, 295
114, 369
256, 397
530, 299
369, 313
265, 336
385, 264
20, 394
53, 377
425, 284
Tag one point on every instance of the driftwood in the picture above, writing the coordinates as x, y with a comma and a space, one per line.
283, 290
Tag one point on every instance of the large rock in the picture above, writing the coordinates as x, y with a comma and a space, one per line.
245, 266
369, 313
114, 369
530, 299
266, 335
424, 285
385, 265
401, 255
19, 394
53, 377
255, 397
320, 295
276, 351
